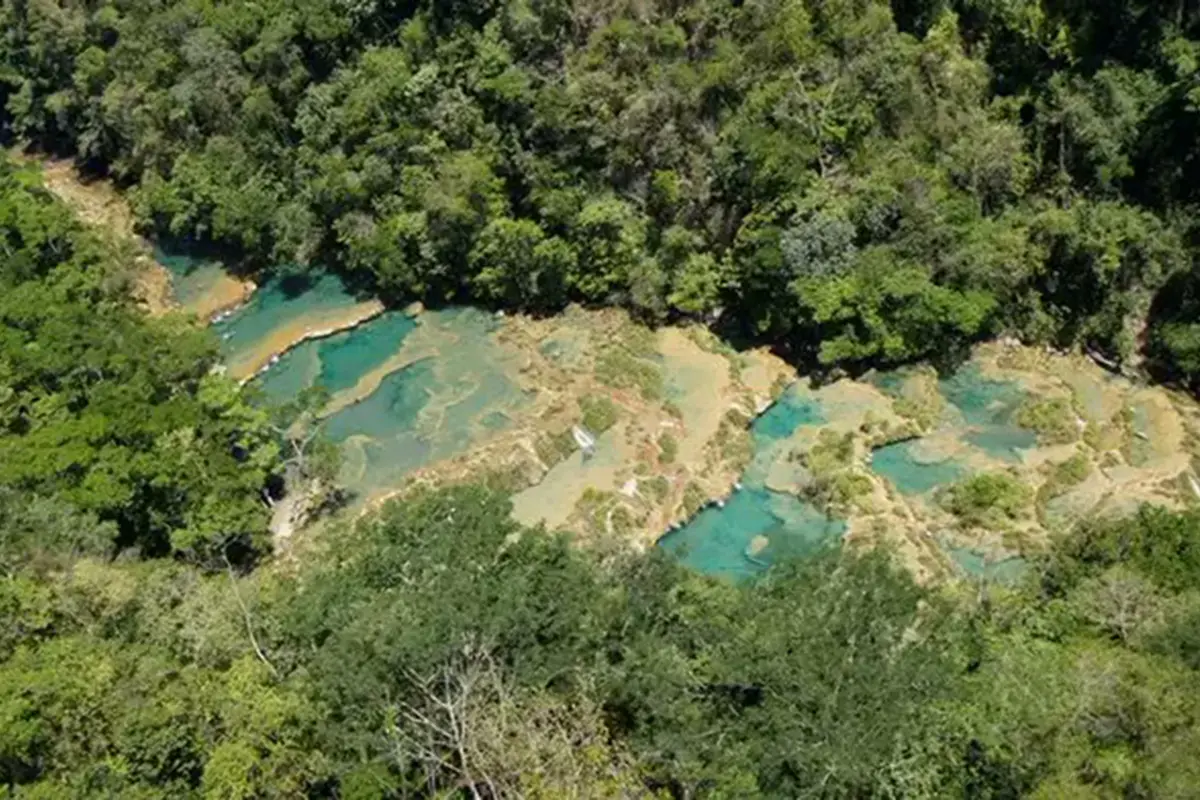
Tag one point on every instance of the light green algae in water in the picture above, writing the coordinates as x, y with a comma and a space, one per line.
981, 400
980, 415
988, 408
1002, 442
380, 433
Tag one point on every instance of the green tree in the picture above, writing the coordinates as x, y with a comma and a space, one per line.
110, 412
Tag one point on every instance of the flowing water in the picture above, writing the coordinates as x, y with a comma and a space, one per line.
407, 391
758, 526
287, 310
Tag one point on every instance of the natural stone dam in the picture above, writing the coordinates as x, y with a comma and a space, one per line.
730, 454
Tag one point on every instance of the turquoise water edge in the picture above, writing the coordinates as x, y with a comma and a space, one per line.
454, 389
718, 540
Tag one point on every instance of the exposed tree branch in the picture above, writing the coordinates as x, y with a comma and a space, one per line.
246, 615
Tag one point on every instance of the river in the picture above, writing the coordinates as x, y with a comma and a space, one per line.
725, 459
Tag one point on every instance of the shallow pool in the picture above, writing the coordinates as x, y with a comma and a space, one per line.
910, 473
757, 526
979, 418
410, 391
193, 279
456, 389
337, 362
280, 313
719, 541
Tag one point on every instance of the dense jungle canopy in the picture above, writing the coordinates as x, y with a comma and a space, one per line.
862, 182
854, 182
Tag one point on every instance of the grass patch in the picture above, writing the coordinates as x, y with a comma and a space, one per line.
639, 341
600, 510
706, 340
1124, 422
693, 499
668, 448
919, 399
836, 487
1061, 478
840, 492
733, 441
599, 413
988, 500
509, 480
832, 452
592, 508
657, 487
1116, 434
622, 521
554, 447
1051, 418
737, 418
621, 369
1069, 473
1181, 486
